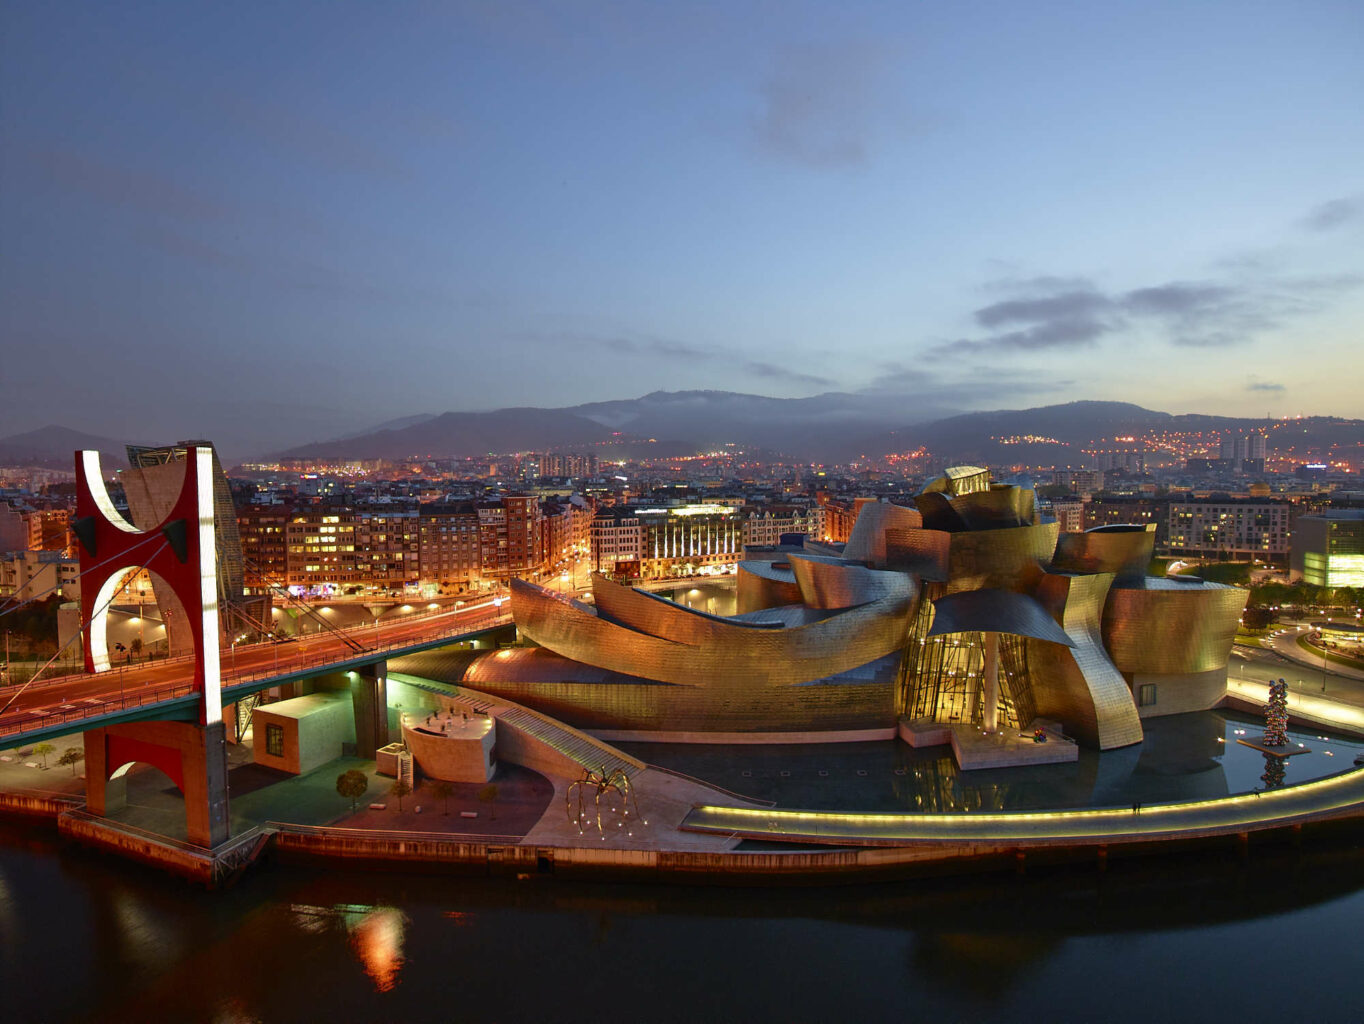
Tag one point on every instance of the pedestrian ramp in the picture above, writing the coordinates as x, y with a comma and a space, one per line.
529, 737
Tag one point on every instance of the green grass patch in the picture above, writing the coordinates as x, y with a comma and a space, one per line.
1331, 657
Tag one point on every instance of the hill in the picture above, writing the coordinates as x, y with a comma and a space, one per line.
51, 447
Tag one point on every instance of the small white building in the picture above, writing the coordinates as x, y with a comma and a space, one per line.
304, 733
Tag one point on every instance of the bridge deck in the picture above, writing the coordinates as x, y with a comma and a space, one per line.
145, 701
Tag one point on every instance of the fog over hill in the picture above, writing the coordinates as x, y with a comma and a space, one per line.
832, 427
54, 446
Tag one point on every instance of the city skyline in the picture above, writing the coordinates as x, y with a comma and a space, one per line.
315, 219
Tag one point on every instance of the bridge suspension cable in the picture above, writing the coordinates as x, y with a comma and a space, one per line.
85, 624
5, 608
275, 585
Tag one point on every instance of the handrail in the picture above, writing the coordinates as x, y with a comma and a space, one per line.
354, 631
400, 835
143, 696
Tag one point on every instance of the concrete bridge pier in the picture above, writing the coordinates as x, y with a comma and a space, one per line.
369, 698
194, 757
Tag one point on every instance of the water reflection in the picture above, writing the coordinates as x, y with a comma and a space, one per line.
375, 935
1184, 757
289, 944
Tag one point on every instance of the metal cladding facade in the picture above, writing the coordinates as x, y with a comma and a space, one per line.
1124, 551
765, 585
826, 644
1081, 686
1008, 559
1163, 626
867, 542
730, 655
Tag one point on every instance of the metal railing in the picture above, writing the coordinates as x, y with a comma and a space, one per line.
144, 696
109, 706
395, 835
358, 632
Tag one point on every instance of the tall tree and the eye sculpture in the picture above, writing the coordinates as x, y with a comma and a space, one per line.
595, 785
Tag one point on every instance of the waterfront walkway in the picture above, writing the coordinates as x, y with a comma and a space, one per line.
1338, 796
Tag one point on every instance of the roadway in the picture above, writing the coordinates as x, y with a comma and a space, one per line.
245, 668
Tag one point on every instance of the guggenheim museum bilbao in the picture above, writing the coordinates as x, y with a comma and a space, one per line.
968, 609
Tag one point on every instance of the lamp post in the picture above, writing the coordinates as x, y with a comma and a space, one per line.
1323, 656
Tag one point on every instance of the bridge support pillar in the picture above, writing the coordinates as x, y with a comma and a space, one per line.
369, 697
194, 757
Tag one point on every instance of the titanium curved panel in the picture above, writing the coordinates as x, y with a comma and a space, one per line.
740, 659
938, 513
867, 542
833, 583
1081, 686
1126, 553
925, 553
995, 611
1001, 507
761, 585
660, 617
1172, 628
591, 698
1008, 559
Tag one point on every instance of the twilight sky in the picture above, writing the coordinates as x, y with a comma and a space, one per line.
266, 223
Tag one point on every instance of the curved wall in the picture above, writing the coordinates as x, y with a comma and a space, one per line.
867, 542
727, 656
1008, 559
1081, 686
861, 699
762, 585
1165, 627
1126, 553
829, 583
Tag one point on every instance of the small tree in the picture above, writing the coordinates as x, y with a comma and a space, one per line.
352, 786
136, 646
488, 795
400, 789
42, 750
72, 756
443, 791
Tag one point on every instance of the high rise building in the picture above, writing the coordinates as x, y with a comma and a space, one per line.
1328, 549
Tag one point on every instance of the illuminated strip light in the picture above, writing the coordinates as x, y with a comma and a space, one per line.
94, 479
99, 623
208, 586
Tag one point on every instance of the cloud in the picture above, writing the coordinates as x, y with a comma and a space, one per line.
326, 145
670, 349
125, 186
1055, 312
1178, 299
1264, 385
1070, 305
770, 371
1066, 332
973, 385
646, 345
1333, 214
822, 105
1040, 283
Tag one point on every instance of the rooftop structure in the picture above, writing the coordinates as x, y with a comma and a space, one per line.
966, 609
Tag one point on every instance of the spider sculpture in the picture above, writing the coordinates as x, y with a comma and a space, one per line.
598, 784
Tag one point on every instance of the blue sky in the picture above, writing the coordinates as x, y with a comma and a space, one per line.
283, 221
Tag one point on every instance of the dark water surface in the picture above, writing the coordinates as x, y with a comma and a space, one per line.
1189, 938
1193, 756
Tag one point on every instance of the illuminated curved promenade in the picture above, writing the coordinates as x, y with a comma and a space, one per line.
1340, 796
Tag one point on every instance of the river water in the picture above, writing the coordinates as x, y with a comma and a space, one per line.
1192, 937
